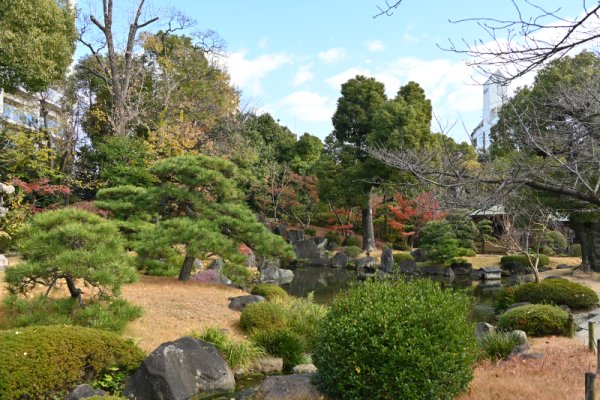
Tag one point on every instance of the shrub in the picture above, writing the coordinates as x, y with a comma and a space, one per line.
38, 362
399, 340
352, 241
304, 317
547, 250
333, 237
237, 353
440, 242
310, 232
269, 291
399, 257
400, 246
263, 316
537, 320
557, 291
466, 252
576, 250
522, 259
555, 240
282, 343
353, 251
505, 297
238, 274
5, 242
499, 345
111, 316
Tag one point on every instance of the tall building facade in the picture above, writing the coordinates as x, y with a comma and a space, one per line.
495, 94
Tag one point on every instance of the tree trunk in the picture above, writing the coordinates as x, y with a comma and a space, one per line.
588, 235
73, 290
367, 225
186, 268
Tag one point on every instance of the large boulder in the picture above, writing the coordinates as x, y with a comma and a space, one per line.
438, 270
483, 328
419, 255
368, 264
306, 250
278, 276
295, 236
387, 260
240, 302
84, 391
281, 229
409, 267
180, 370
340, 260
321, 242
288, 387
213, 276
462, 269
264, 263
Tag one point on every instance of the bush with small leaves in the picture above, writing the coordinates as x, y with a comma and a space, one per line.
282, 343
39, 362
522, 259
385, 340
352, 241
557, 291
499, 345
399, 257
263, 316
536, 320
353, 251
269, 291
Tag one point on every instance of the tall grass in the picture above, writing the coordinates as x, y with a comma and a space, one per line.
237, 353
499, 345
303, 317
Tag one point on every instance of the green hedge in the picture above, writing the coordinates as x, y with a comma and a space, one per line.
399, 257
522, 259
269, 291
263, 316
557, 291
387, 340
537, 320
39, 362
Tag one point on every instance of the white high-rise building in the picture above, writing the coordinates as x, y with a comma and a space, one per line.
494, 95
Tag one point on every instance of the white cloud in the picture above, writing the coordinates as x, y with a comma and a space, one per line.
410, 38
304, 74
262, 43
308, 106
375, 46
248, 73
332, 55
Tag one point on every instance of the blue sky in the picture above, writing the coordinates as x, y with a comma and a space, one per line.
289, 58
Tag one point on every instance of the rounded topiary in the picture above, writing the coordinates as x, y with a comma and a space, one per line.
396, 340
399, 257
353, 251
557, 291
536, 320
269, 291
263, 316
352, 241
37, 362
282, 343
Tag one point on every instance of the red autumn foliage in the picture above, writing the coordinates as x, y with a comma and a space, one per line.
414, 212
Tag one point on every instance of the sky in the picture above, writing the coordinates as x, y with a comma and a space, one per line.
290, 58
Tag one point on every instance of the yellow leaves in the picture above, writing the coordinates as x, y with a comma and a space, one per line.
472, 165
357, 368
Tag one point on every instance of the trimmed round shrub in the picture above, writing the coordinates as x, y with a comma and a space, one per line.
557, 291
263, 316
38, 362
522, 259
282, 343
536, 320
385, 340
269, 291
353, 251
399, 257
352, 241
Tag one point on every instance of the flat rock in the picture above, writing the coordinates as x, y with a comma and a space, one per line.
564, 266
304, 369
277, 276
340, 260
83, 392
306, 249
240, 302
531, 356
288, 387
3, 262
483, 328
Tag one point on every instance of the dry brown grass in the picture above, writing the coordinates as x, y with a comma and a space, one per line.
557, 376
173, 309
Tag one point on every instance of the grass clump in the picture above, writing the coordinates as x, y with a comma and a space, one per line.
237, 353
398, 340
499, 345
303, 317
264, 316
353, 251
557, 291
282, 343
42, 361
110, 315
269, 291
536, 320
